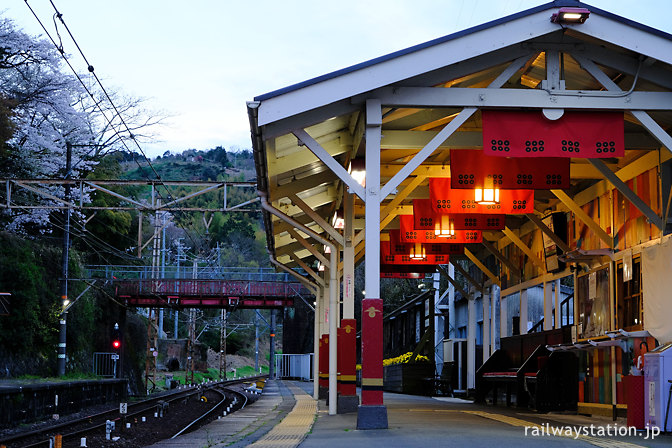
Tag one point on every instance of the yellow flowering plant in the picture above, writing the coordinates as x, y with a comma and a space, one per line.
404, 359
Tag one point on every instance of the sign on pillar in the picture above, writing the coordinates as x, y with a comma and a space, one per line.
347, 367
324, 366
372, 352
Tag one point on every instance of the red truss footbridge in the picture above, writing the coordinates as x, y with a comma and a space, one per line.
229, 288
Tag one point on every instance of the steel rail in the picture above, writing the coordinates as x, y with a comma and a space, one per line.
100, 418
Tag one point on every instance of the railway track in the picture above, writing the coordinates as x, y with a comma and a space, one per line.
146, 421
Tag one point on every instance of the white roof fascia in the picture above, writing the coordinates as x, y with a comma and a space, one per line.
405, 66
527, 98
626, 36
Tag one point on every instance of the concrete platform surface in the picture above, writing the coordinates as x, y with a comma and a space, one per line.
284, 417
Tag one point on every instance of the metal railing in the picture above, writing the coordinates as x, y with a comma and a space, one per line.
208, 288
111, 272
294, 366
565, 317
105, 364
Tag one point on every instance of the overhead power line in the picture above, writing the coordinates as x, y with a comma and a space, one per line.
118, 114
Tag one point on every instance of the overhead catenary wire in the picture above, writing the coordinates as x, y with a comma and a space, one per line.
98, 105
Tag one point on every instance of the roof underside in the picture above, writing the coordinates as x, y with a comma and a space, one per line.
330, 109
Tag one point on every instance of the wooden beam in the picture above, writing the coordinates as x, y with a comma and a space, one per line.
307, 268
583, 216
515, 271
299, 185
336, 235
309, 246
628, 193
549, 233
454, 282
522, 246
482, 267
467, 276
286, 238
387, 219
403, 194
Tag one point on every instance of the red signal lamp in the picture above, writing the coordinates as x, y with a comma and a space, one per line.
116, 344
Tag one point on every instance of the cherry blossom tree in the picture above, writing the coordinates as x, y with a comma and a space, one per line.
44, 108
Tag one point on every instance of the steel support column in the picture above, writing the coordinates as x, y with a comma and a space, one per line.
486, 326
548, 306
523, 312
451, 303
503, 317
372, 414
558, 314
471, 343
349, 258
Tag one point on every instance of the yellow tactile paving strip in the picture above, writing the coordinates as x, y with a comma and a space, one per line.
604, 443
291, 431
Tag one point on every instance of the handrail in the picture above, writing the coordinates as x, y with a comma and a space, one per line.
565, 301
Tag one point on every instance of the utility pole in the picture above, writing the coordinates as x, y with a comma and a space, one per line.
222, 346
152, 314
180, 257
64, 268
256, 341
163, 268
191, 342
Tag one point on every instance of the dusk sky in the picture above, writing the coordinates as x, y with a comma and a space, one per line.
199, 62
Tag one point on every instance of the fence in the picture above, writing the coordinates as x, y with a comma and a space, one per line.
294, 366
111, 272
105, 364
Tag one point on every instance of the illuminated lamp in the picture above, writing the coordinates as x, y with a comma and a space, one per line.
445, 227
357, 170
320, 267
418, 252
327, 249
488, 195
570, 15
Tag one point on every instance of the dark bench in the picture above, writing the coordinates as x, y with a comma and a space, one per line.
536, 377
505, 369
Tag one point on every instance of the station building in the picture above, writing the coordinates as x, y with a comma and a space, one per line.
526, 160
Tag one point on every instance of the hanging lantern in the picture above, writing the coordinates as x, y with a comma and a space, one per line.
418, 252
445, 227
488, 194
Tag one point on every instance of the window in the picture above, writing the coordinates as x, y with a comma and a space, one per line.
629, 298
593, 303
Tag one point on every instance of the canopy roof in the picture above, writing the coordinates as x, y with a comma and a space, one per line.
424, 88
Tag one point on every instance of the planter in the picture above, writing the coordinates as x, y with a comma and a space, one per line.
407, 378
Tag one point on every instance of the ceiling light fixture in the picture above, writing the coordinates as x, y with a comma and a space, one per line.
570, 15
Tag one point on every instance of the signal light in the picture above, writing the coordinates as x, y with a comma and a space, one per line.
116, 337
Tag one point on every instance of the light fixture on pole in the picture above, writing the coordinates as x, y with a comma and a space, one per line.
488, 194
357, 170
418, 252
445, 227
570, 15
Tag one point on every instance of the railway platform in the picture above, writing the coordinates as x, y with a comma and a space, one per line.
284, 417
